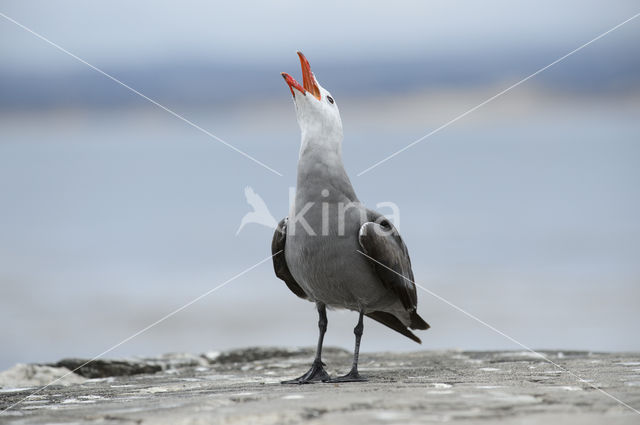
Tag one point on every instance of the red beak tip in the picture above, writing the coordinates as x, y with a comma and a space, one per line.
309, 83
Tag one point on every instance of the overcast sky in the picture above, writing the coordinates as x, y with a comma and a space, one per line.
138, 32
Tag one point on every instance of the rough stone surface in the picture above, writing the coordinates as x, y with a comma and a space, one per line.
29, 375
243, 387
105, 368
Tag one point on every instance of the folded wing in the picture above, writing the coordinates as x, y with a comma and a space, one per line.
279, 262
386, 251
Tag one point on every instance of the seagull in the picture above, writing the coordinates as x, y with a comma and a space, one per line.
260, 213
331, 249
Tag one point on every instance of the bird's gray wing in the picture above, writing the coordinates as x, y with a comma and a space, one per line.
382, 243
280, 263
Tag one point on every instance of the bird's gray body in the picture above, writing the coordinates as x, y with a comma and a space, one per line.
326, 263
331, 270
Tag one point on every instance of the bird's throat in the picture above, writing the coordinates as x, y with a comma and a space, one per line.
320, 167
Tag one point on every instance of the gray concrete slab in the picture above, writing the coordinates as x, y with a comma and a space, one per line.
243, 387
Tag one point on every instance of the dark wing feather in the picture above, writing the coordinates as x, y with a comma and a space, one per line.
394, 323
382, 244
279, 261
381, 241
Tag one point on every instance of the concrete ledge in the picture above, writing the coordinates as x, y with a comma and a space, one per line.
243, 387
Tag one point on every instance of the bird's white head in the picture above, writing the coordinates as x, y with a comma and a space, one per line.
316, 110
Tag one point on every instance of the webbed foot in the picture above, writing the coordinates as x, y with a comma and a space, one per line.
352, 376
315, 374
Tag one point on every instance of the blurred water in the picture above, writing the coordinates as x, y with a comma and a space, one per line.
525, 214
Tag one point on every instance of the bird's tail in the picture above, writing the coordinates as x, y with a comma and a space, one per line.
418, 322
394, 323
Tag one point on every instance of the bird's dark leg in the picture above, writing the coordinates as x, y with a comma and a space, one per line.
353, 375
317, 372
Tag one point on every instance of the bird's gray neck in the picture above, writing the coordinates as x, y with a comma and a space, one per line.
320, 167
313, 143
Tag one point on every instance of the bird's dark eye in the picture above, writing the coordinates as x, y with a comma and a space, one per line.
330, 99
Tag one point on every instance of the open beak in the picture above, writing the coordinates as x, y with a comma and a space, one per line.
309, 83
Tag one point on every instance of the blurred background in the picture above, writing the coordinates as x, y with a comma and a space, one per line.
113, 213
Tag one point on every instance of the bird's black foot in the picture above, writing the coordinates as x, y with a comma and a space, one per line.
352, 376
315, 374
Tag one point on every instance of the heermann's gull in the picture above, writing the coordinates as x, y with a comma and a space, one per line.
316, 251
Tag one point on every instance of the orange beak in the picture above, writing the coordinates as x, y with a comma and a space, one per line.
309, 83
